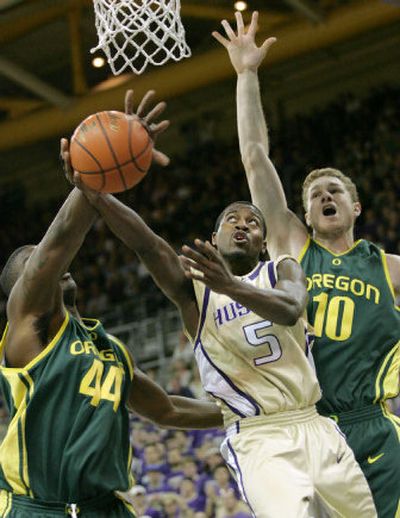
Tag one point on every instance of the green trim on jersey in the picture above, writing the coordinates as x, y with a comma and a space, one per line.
356, 323
68, 438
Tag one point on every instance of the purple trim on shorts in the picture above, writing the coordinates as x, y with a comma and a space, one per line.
231, 384
237, 424
240, 476
271, 274
206, 300
256, 272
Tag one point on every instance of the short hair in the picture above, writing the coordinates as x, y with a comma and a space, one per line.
248, 204
329, 171
12, 268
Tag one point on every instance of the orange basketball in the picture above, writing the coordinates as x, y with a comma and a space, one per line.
111, 151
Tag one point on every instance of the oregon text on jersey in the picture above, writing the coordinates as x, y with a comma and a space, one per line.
357, 287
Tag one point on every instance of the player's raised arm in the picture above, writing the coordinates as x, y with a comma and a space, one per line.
156, 254
285, 233
32, 276
150, 401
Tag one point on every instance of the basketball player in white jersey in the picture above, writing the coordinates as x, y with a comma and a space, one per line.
244, 318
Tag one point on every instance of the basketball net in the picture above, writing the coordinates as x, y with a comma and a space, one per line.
134, 33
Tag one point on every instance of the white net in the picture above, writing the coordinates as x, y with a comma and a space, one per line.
134, 33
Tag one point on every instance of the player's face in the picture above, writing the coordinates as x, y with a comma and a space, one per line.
331, 210
240, 233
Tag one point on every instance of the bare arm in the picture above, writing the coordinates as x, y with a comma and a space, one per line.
37, 292
284, 304
393, 262
149, 400
156, 254
286, 233
34, 292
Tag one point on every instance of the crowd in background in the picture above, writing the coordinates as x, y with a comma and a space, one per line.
360, 137
177, 473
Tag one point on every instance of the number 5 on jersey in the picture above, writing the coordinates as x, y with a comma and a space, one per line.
255, 336
109, 390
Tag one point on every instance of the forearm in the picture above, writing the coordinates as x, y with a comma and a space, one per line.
155, 253
62, 240
252, 127
190, 413
71, 224
126, 224
277, 305
149, 400
51, 258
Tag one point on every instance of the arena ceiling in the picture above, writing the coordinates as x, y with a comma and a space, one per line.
47, 81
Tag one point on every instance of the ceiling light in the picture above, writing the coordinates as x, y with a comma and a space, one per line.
240, 6
98, 62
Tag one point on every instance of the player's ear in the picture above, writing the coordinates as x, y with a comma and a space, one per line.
357, 209
264, 252
264, 247
307, 218
214, 239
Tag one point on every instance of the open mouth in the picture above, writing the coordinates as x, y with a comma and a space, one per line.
329, 211
239, 236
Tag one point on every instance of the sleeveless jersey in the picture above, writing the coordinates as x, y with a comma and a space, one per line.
356, 323
68, 437
252, 366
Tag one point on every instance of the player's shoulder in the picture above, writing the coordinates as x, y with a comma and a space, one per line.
288, 268
393, 264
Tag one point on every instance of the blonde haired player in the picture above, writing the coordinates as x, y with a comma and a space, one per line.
352, 284
243, 316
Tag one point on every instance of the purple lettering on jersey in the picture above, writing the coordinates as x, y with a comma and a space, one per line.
229, 312
218, 317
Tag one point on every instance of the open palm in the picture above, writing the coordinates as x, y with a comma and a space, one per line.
241, 46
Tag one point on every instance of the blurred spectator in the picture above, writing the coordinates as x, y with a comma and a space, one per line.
174, 506
232, 507
183, 351
137, 496
155, 481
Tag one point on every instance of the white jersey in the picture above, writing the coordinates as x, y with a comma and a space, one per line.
252, 366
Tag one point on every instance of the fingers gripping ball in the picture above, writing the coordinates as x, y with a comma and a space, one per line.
111, 151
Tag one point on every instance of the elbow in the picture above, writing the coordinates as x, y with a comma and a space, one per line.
167, 419
291, 315
253, 154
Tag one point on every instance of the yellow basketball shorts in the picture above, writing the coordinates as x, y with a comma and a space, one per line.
289, 463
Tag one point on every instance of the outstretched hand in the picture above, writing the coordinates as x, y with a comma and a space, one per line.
207, 265
243, 51
154, 128
148, 119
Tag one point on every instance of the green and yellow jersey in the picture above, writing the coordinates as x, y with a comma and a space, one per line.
68, 437
356, 323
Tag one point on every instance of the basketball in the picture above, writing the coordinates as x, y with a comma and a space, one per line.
111, 151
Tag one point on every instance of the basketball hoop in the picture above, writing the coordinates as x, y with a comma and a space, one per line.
134, 33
